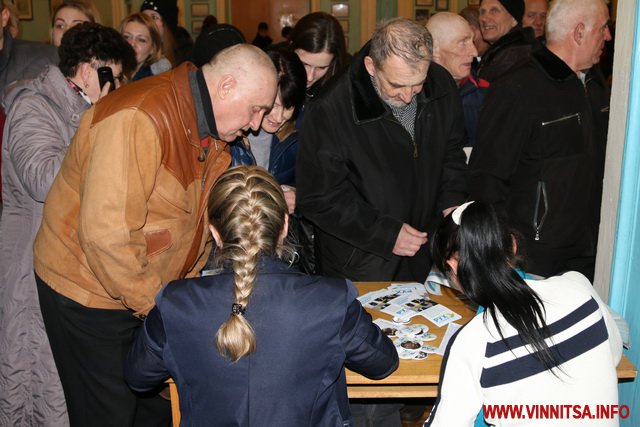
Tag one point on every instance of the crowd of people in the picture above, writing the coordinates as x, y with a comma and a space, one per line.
199, 211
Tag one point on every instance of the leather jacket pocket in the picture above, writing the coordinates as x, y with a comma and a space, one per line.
562, 136
158, 241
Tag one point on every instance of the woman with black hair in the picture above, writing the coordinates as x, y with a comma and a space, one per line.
274, 147
547, 342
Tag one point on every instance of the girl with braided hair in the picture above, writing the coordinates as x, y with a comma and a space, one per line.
258, 343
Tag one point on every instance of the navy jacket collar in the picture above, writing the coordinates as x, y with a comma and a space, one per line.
266, 265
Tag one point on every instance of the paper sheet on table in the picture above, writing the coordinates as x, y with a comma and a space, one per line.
440, 315
451, 329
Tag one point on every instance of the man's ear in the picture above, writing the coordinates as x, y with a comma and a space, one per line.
216, 235
368, 64
226, 85
578, 33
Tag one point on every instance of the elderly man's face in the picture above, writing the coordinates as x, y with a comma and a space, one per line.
397, 81
244, 105
595, 36
456, 51
495, 21
535, 15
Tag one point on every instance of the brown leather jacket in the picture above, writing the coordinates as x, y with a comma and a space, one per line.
126, 213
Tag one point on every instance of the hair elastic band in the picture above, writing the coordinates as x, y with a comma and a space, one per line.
237, 309
457, 213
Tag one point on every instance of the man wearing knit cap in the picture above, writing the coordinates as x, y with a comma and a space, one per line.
500, 23
162, 10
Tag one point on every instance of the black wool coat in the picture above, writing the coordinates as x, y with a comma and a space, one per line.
360, 174
540, 158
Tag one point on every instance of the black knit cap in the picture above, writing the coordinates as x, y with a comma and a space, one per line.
168, 9
515, 8
214, 39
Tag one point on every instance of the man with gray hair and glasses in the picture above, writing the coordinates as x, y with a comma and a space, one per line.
380, 161
541, 144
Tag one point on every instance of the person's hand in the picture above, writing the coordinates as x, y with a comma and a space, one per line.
105, 90
289, 197
409, 241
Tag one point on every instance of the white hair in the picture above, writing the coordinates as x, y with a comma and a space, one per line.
564, 15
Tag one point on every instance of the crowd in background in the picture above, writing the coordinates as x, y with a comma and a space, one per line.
264, 179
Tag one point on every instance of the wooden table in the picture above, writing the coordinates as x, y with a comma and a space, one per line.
413, 378
419, 378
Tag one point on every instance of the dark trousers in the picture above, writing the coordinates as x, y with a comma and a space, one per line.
89, 346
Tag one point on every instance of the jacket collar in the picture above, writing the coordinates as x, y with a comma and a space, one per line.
202, 103
287, 129
552, 65
266, 265
516, 36
365, 101
7, 49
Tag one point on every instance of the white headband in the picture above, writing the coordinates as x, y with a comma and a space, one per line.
457, 213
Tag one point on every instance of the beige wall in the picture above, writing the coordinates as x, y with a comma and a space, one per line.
269, 11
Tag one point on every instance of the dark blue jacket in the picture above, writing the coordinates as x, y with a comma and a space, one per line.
472, 92
282, 160
308, 328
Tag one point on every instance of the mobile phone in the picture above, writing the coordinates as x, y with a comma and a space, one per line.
106, 75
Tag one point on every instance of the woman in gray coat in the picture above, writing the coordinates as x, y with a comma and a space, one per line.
42, 117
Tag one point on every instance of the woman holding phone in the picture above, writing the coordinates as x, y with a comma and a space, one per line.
42, 116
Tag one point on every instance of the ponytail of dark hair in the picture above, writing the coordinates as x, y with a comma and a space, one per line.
485, 249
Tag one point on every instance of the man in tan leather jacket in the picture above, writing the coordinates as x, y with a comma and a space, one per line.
125, 216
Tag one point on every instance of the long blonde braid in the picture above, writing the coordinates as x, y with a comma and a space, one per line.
247, 208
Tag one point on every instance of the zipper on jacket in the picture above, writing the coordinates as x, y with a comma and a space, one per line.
413, 141
541, 192
562, 119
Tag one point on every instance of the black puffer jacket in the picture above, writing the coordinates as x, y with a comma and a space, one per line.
361, 175
540, 155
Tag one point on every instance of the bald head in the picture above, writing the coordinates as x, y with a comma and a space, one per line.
240, 59
453, 46
242, 83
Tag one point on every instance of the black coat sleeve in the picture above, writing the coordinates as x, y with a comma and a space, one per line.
452, 189
502, 134
326, 192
